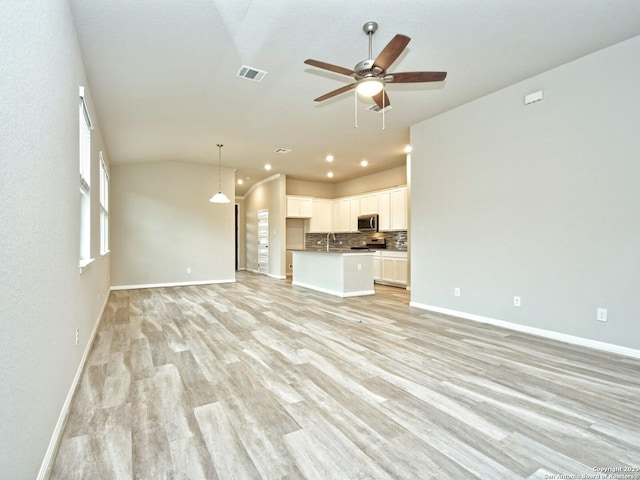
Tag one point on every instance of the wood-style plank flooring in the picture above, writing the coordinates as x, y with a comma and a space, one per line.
262, 380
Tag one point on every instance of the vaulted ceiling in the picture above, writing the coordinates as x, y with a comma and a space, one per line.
162, 73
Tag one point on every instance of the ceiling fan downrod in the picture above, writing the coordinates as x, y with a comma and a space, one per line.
370, 28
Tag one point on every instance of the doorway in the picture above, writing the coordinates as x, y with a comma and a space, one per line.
237, 211
263, 242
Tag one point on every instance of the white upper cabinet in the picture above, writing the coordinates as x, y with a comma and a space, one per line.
355, 211
369, 203
299, 207
321, 216
398, 207
392, 208
342, 215
384, 210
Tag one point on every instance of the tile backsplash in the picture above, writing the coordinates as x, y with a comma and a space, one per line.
395, 240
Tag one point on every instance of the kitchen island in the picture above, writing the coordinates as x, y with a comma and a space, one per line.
345, 273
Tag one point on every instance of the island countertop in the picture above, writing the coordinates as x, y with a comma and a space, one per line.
335, 251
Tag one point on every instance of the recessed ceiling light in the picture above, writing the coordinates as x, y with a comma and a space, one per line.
329, 158
407, 149
364, 163
267, 166
330, 174
240, 182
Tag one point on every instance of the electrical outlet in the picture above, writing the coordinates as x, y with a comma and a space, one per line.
77, 336
359, 266
516, 301
456, 292
601, 314
188, 269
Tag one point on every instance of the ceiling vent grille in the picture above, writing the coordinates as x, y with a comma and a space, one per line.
377, 109
251, 73
282, 150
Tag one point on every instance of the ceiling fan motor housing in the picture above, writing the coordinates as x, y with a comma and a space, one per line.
365, 68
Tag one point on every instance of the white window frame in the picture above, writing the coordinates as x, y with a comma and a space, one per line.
85, 127
104, 207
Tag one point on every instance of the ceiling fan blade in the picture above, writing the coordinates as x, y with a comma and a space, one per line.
417, 77
328, 66
381, 99
335, 92
392, 51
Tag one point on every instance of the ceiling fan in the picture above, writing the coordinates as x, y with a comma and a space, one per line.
371, 75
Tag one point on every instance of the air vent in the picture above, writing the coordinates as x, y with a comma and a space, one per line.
251, 73
282, 150
377, 109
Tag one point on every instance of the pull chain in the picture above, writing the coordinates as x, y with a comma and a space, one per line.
383, 107
355, 107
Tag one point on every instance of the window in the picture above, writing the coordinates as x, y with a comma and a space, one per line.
85, 181
104, 207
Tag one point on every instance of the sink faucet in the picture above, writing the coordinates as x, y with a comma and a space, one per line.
334, 239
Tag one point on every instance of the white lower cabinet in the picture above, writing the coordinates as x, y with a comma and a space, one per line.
393, 267
376, 265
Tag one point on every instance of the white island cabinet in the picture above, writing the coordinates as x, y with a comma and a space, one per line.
345, 274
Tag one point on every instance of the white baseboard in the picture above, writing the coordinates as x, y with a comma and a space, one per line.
334, 292
172, 284
271, 275
56, 437
279, 277
562, 337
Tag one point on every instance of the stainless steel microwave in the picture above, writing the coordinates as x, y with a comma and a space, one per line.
368, 223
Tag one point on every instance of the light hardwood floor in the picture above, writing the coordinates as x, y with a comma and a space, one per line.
262, 380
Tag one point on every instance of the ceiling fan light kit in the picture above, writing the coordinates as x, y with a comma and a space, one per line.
371, 75
219, 197
369, 86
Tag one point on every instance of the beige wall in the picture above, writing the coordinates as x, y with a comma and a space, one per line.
310, 189
375, 181
366, 183
43, 296
163, 224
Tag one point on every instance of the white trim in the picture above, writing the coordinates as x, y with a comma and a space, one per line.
84, 264
256, 185
56, 437
279, 277
85, 108
334, 292
562, 337
171, 284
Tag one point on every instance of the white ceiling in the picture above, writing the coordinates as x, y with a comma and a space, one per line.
163, 72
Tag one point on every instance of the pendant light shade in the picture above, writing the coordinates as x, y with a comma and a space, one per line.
219, 197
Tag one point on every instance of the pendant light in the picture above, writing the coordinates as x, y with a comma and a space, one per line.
219, 197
